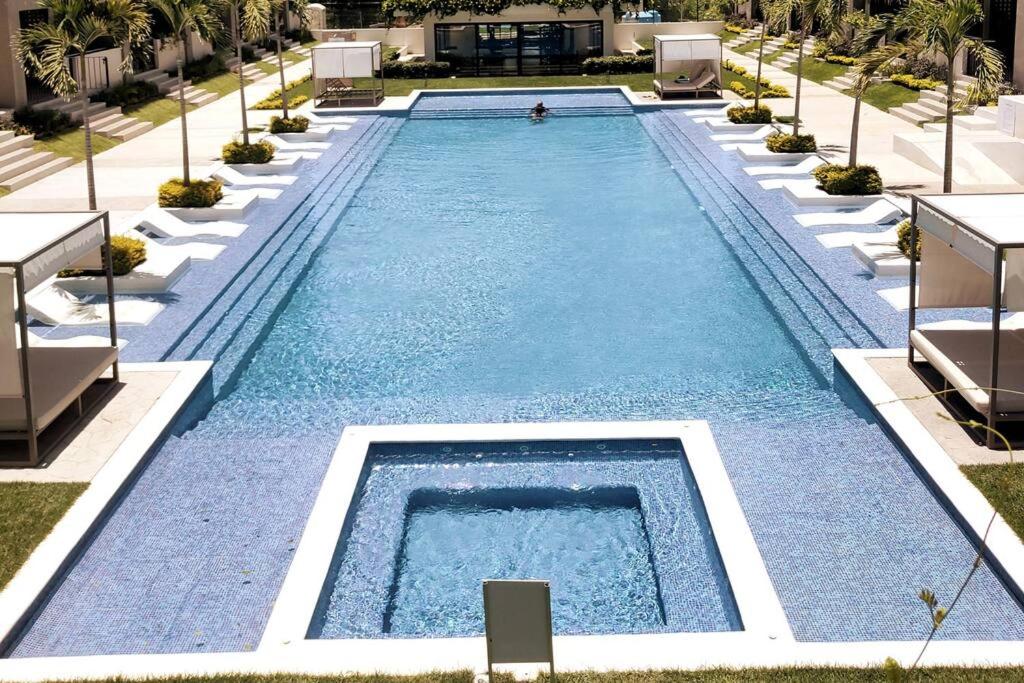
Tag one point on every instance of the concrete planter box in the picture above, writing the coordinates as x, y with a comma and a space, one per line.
725, 125
312, 134
759, 152
234, 207
882, 259
277, 166
156, 275
805, 193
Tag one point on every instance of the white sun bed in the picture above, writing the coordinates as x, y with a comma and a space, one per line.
881, 211
74, 342
1011, 322
195, 251
712, 112
156, 221
759, 134
285, 145
232, 177
880, 253
52, 305
803, 168
759, 152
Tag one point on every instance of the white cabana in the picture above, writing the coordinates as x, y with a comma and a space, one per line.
44, 386
687, 65
348, 72
972, 255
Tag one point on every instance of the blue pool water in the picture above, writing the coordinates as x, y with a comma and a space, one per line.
489, 270
617, 527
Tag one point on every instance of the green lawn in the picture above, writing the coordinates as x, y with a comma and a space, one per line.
769, 58
726, 36
887, 95
158, 111
751, 47
819, 71
71, 143
27, 513
1003, 485
222, 85
266, 67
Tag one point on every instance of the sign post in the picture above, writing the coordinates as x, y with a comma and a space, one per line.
517, 617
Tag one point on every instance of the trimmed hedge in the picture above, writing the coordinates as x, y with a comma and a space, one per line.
237, 152
396, 69
200, 194
278, 103
618, 64
848, 180
7, 123
125, 254
909, 81
295, 124
202, 69
760, 114
789, 144
44, 123
767, 91
903, 240
840, 59
128, 94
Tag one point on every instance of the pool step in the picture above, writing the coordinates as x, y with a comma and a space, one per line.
517, 112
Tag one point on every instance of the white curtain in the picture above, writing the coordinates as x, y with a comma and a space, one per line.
10, 361
63, 255
948, 280
1013, 287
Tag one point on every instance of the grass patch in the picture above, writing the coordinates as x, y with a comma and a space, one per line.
887, 95
769, 58
727, 35
1003, 485
27, 513
819, 71
158, 111
222, 84
752, 46
71, 143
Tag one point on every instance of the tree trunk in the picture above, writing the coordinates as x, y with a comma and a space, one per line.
280, 67
184, 122
760, 59
855, 133
241, 78
83, 96
799, 79
947, 165
287, 19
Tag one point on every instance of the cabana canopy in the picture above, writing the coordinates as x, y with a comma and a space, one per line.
38, 385
972, 255
337, 65
687, 64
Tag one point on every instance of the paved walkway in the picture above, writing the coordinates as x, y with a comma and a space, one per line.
128, 176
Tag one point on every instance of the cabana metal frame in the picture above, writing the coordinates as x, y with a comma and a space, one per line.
88, 364
698, 48
336, 65
967, 403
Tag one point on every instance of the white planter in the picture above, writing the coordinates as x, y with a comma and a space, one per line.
277, 166
234, 207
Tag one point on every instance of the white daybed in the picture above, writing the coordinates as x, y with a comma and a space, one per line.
687, 65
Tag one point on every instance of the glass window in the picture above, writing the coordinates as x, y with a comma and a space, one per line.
510, 49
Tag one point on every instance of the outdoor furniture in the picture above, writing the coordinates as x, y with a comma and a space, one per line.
43, 389
348, 74
700, 54
803, 168
972, 256
881, 211
160, 223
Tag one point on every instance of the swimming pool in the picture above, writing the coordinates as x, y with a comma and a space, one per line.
488, 270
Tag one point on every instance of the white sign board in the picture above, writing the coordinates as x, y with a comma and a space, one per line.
517, 615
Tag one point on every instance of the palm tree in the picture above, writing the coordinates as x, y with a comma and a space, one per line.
943, 27
279, 7
48, 49
768, 17
188, 17
249, 22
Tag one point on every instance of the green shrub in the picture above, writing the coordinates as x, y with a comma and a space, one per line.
908, 81
848, 180
249, 54
396, 69
125, 254
278, 103
760, 114
790, 144
840, 59
7, 123
903, 240
237, 152
734, 27
295, 124
203, 69
128, 94
200, 194
768, 91
389, 53
44, 123
821, 48
619, 64
299, 35
732, 66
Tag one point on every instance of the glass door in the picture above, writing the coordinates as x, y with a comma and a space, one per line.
497, 50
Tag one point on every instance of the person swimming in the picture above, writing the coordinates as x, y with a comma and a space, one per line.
539, 112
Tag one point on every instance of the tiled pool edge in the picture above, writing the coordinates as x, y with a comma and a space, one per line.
758, 604
18, 601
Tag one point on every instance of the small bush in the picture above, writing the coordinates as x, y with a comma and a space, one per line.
240, 153
396, 69
732, 66
128, 94
790, 144
739, 25
125, 254
249, 54
903, 240
203, 69
44, 123
840, 59
768, 91
295, 124
278, 103
620, 64
299, 35
760, 114
200, 194
791, 44
821, 48
7, 123
908, 81
848, 180
390, 53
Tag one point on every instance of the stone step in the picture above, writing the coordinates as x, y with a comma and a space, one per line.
990, 113
14, 142
908, 115
108, 116
6, 135
16, 155
200, 100
149, 75
132, 131
37, 173
114, 125
24, 163
936, 108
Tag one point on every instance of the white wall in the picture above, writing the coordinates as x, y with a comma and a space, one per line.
625, 34
411, 37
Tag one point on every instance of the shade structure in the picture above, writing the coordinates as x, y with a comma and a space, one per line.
687, 65
972, 255
46, 243
348, 71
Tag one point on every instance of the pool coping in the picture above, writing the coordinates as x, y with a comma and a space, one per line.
20, 598
757, 603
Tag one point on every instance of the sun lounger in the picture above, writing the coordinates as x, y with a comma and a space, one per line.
803, 168
881, 254
284, 145
714, 113
882, 211
701, 82
52, 305
156, 221
232, 177
759, 134
195, 251
74, 342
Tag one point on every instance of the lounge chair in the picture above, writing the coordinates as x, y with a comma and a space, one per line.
759, 134
880, 253
881, 211
156, 221
803, 168
232, 177
703, 80
196, 251
286, 146
52, 305
74, 342
714, 113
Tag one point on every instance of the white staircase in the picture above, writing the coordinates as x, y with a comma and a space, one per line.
193, 95
930, 106
112, 123
72, 108
21, 164
790, 58
983, 119
250, 72
163, 81
743, 38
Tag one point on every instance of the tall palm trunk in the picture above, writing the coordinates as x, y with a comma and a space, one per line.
184, 122
280, 67
947, 164
241, 78
760, 59
83, 97
855, 133
799, 79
